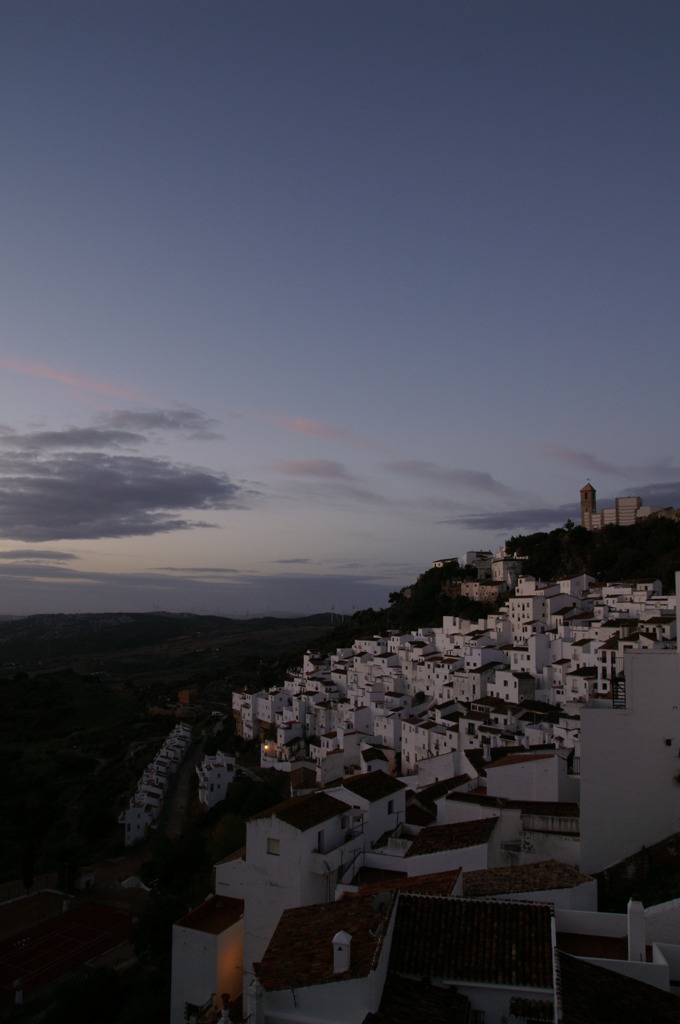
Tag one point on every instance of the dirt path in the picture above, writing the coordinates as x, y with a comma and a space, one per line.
181, 792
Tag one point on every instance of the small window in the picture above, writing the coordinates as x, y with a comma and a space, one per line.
273, 846
390, 806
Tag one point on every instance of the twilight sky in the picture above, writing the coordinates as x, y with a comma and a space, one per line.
299, 296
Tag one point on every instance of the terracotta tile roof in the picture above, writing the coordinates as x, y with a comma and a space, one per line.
420, 816
214, 916
304, 812
300, 952
373, 754
518, 759
488, 941
434, 1005
440, 883
439, 789
593, 995
437, 838
372, 786
540, 877
553, 810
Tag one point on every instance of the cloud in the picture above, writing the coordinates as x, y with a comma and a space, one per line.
313, 467
25, 589
120, 429
74, 437
508, 522
36, 555
334, 492
664, 494
469, 478
591, 465
321, 431
189, 422
93, 494
73, 484
64, 377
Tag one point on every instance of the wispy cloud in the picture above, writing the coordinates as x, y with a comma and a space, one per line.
120, 429
332, 491
442, 476
325, 468
592, 465
27, 587
189, 422
71, 438
36, 555
321, 431
64, 377
508, 522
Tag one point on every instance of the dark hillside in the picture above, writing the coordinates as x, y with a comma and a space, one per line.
122, 646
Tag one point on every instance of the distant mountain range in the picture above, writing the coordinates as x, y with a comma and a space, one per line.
126, 644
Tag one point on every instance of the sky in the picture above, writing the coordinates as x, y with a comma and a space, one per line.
298, 296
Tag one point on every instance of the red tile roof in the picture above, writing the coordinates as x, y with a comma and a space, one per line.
542, 876
485, 941
440, 883
307, 811
503, 762
372, 786
214, 916
437, 838
401, 997
300, 952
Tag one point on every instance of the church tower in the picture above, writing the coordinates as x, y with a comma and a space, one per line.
588, 505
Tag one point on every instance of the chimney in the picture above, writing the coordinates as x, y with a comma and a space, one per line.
636, 931
341, 943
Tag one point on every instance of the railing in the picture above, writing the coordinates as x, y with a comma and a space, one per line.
619, 694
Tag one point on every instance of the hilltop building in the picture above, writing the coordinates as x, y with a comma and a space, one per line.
627, 510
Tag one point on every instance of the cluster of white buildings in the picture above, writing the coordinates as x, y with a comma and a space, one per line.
518, 678
460, 887
215, 773
145, 805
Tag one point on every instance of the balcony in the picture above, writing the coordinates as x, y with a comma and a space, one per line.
321, 862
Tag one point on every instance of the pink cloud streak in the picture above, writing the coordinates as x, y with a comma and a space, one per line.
61, 377
320, 431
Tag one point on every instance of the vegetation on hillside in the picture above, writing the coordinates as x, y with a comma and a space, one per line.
435, 593
650, 548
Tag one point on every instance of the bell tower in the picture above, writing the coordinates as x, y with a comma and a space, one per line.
588, 505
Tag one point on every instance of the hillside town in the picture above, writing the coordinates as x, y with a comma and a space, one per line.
459, 795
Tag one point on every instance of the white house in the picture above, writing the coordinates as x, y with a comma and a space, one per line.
215, 773
207, 953
630, 762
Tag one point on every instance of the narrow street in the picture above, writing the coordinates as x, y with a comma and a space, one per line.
181, 792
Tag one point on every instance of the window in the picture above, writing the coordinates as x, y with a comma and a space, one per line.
273, 846
390, 806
